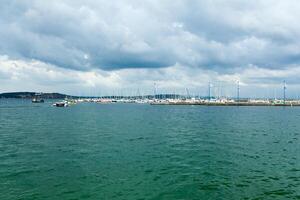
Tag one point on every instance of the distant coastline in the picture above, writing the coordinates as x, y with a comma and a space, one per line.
30, 95
159, 99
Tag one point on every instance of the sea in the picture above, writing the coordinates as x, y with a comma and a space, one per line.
150, 152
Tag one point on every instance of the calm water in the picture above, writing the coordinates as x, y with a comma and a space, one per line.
127, 151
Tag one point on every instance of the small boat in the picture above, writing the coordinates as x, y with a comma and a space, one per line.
37, 100
61, 104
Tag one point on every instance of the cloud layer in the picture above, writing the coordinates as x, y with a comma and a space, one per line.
138, 43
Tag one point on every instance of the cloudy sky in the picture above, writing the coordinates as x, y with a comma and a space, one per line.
87, 47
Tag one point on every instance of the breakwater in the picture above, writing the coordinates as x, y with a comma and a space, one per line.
225, 104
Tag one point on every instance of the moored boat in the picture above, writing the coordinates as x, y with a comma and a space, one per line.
37, 100
61, 104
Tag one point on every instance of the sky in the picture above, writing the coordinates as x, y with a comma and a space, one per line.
126, 47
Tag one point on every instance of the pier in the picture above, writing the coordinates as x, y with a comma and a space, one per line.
227, 103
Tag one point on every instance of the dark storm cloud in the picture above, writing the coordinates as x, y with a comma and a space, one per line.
218, 35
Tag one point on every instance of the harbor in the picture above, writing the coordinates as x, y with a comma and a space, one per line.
213, 98
183, 101
187, 99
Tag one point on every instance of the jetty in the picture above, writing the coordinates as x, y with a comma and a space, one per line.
192, 101
207, 103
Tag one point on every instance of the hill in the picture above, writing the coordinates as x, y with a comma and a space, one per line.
30, 95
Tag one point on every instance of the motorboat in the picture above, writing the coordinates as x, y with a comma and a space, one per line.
61, 104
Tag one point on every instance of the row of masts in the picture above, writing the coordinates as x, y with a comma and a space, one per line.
214, 91
238, 91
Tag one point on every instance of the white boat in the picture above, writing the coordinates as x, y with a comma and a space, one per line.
61, 104
37, 100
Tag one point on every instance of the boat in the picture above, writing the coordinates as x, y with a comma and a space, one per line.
61, 104
37, 100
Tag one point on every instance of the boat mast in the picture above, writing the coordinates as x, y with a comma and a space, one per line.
238, 91
284, 92
154, 90
209, 91
187, 93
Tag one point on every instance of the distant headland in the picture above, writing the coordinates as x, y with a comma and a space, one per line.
30, 95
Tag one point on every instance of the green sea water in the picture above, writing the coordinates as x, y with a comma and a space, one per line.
133, 151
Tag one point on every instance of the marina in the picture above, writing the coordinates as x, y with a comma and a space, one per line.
185, 101
212, 99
